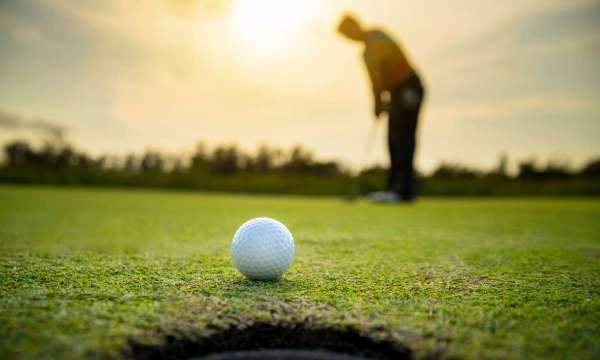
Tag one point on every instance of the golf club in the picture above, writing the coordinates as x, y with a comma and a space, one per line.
367, 150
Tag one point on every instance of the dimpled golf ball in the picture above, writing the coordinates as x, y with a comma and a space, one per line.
262, 249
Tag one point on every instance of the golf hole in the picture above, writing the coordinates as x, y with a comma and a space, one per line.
266, 341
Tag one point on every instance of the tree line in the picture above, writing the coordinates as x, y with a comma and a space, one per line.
273, 170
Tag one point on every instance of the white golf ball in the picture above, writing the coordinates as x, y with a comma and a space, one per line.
262, 249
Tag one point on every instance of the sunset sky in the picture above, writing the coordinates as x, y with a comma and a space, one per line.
519, 77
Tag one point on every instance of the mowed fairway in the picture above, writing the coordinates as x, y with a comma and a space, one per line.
84, 272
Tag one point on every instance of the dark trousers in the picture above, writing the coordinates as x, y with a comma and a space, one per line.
405, 105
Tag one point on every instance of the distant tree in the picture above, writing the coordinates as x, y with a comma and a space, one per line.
63, 158
200, 162
453, 171
591, 169
501, 170
225, 160
264, 161
554, 170
17, 153
329, 168
131, 164
152, 162
299, 161
375, 170
528, 170
178, 166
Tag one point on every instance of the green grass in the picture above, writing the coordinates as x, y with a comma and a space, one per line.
83, 271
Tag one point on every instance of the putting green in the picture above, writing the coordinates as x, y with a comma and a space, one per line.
87, 272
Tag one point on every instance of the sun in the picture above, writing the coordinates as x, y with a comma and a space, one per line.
269, 27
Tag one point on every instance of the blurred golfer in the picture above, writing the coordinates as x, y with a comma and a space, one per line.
398, 91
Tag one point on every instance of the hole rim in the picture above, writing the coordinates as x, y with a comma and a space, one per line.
267, 336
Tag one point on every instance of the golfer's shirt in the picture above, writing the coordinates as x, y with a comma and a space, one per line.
386, 62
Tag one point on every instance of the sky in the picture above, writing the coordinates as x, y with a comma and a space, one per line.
516, 77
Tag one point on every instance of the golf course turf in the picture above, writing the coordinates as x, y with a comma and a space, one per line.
127, 273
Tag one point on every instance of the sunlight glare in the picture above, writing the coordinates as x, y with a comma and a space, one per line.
272, 27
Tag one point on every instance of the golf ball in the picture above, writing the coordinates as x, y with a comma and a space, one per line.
262, 249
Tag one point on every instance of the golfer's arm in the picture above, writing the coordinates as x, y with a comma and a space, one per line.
376, 80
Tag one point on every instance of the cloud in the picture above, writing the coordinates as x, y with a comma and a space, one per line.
191, 7
503, 110
11, 121
20, 31
555, 25
28, 35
